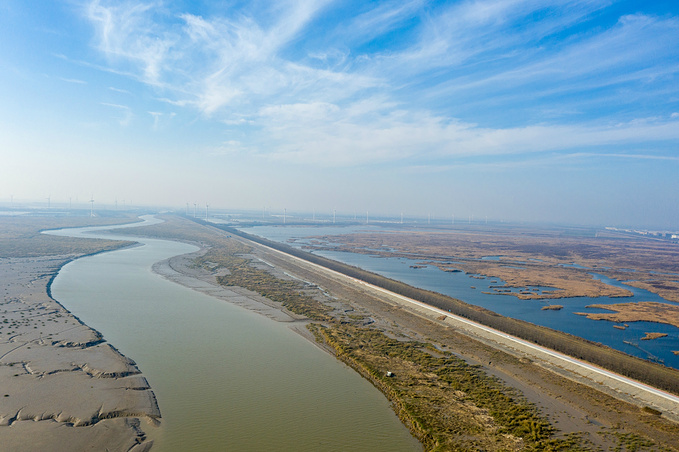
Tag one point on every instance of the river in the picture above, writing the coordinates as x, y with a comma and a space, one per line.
225, 378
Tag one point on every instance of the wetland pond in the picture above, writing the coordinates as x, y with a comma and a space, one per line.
470, 288
225, 378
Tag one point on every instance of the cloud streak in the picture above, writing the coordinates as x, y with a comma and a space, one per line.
73, 80
321, 134
127, 114
405, 81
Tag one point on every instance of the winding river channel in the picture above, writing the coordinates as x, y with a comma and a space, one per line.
225, 378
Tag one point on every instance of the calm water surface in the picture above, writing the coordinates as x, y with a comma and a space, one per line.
225, 378
470, 290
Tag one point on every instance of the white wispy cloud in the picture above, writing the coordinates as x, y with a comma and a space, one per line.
127, 31
158, 117
126, 118
381, 19
229, 147
333, 105
543, 162
73, 80
324, 134
620, 65
118, 90
487, 31
121, 107
670, 158
210, 64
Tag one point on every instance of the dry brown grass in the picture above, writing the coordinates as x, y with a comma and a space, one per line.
539, 255
651, 336
666, 288
448, 404
646, 311
568, 282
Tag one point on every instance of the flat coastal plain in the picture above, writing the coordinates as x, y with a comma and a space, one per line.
60, 373
62, 386
584, 414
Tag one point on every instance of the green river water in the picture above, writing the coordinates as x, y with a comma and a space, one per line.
226, 379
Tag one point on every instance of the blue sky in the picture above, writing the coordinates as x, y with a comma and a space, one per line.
508, 109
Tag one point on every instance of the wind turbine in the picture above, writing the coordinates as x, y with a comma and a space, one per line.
195, 206
206, 207
92, 206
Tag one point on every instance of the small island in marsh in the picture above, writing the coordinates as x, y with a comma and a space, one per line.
647, 311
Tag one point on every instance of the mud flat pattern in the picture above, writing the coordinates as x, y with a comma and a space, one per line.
63, 386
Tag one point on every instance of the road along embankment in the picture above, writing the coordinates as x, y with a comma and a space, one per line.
617, 385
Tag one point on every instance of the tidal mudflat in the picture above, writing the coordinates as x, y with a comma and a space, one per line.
63, 387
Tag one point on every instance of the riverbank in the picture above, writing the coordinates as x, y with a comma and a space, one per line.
182, 270
63, 386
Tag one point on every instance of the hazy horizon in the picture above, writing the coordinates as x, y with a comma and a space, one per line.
506, 109
299, 217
